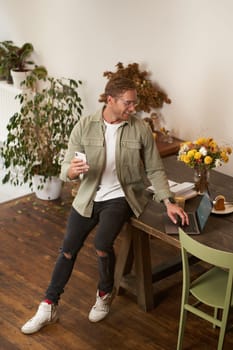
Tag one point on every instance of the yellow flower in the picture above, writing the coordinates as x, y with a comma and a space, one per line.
197, 155
203, 153
222, 154
202, 141
213, 146
191, 153
208, 160
186, 159
224, 157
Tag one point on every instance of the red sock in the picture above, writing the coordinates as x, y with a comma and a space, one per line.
48, 301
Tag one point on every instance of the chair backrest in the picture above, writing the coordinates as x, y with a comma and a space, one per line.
202, 287
205, 253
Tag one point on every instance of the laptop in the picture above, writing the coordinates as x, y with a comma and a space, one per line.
197, 219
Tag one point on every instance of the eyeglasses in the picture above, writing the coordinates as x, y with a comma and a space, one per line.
128, 103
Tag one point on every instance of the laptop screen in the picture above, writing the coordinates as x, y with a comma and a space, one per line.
203, 211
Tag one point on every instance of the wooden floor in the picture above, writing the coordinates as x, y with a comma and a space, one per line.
31, 233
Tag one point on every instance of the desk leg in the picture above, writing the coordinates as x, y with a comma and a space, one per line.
124, 259
135, 247
143, 270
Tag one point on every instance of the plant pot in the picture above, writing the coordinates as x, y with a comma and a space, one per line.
18, 77
49, 189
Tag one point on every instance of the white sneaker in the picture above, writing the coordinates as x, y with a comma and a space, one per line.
46, 314
101, 308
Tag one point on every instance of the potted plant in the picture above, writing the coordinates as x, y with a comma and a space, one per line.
6, 48
38, 134
19, 63
150, 95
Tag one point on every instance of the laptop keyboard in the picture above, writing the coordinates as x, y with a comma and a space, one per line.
191, 227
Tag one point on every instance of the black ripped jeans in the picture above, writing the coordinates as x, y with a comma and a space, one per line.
110, 216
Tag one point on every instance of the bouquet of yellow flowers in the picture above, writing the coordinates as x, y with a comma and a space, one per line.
203, 153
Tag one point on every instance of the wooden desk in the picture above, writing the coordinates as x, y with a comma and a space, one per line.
218, 233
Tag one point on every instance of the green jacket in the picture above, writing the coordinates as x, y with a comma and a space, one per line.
137, 161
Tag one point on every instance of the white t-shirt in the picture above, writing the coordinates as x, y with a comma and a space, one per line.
110, 187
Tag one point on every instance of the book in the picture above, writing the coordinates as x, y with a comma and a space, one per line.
184, 189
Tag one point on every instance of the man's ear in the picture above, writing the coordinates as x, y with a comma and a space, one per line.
110, 99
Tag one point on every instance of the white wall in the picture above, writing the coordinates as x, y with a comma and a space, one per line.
185, 44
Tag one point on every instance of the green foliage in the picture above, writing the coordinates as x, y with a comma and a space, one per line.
6, 47
14, 57
38, 73
38, 134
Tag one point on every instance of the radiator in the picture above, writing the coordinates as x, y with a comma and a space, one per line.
8, 106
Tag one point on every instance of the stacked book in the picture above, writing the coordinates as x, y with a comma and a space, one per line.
184, 189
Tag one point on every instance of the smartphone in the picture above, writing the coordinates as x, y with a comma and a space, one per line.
81, 156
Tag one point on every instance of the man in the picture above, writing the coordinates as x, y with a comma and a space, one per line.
121, 156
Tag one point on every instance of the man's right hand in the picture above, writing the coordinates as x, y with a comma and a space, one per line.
77, 167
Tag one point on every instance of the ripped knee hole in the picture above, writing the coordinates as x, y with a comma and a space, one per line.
67, 255
101, 254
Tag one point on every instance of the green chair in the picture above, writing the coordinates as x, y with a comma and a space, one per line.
212, 288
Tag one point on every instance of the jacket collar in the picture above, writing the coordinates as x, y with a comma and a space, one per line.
98, 117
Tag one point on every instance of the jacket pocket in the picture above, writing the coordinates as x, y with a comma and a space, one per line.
94, 150
132, 162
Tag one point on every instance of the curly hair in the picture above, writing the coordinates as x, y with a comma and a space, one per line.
116, 87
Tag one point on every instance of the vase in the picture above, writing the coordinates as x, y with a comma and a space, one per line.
50, 189
201, 180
